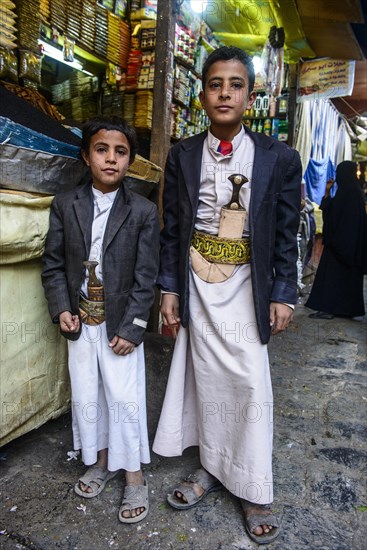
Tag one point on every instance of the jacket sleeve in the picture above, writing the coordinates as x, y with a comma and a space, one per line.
287, 223
141, 297
53, 272
168, 279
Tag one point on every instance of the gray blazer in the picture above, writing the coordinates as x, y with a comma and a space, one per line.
130, 258
273, 217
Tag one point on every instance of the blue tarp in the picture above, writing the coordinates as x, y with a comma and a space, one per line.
13, 133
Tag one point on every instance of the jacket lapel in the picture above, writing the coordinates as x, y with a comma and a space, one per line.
83, 207
120, 211
190, 159
264, 164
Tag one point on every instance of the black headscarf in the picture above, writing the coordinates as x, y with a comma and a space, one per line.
345, 225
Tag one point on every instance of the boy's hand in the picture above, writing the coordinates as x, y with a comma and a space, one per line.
120, 346
280, 317
170, 310
69, 322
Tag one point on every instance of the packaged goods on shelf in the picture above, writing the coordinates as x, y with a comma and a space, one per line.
8, 65
45, 11
83, 107
58, 15
73, 21
148, 35
30, 66
186, 122
129, 108
101, 37
283, 130
275, 128
108, 4
88, 24
145, 9
8, 28
182, 88
75, 96
29, 22
143, 110
120, 8
133, 69
61, 92
112, 101
118, 45
146, 74
184, 45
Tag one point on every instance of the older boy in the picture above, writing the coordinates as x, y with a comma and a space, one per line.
231, 283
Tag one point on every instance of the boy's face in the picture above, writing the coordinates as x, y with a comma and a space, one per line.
108, 159
226, 97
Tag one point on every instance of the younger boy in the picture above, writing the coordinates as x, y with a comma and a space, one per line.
228, 275
103, 306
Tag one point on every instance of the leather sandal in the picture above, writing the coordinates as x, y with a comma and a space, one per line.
202, 478
135, 496
96, 478
257, 519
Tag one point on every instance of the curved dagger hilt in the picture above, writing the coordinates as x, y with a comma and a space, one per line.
237, 181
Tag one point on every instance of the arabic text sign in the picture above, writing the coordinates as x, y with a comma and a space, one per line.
325, 78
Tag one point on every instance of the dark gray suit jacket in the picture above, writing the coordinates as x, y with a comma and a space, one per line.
273, 217
130, 258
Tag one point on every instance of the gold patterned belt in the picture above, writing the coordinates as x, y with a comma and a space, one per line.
91, 313
221, 250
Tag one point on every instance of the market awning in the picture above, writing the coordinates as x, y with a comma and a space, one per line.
312, 28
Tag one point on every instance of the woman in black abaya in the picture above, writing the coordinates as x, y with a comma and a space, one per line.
338, 285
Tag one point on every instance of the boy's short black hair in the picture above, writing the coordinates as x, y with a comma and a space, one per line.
102, 122
225, 53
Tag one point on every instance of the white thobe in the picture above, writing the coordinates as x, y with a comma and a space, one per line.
108, 390
219, 393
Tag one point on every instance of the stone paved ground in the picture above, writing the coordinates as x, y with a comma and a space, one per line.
318, 370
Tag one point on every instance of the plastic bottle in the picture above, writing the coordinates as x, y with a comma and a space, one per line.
267, 126
275, 128
258, 105
265, 106
283, 130
272, 106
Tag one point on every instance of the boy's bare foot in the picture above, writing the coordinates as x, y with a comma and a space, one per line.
261, 524
134, 479
193, 489
95, 478
101, 463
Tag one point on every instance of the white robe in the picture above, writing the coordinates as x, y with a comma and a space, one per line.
219, 393
108, 401
108, 390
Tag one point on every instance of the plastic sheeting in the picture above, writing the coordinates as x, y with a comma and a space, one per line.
34, 383
25, 169
16, 134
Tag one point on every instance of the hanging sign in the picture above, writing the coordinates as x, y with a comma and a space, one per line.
325, 78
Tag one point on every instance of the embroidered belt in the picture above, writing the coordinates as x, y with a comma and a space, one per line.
91, 313
221, 250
